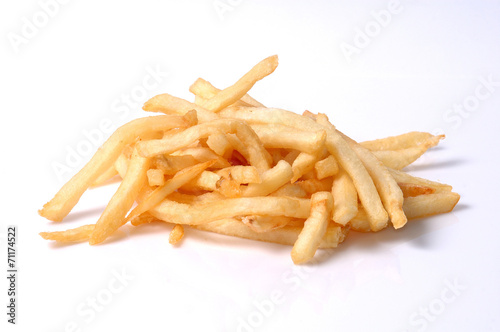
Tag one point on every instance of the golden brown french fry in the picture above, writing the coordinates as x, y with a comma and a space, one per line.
235, 92
79, 234
67, 197
335, 144
201, 155
399, 159
414, 207
170, 164
257, 155
199, 213
271, 180
407, 178
279, 136
176, 234
286, 235
291, 190
412, 190
326, 167
314, 227
219, 143
168, 104
179, 179
113, 216
399, 142
204, 89
105, 177
313, 185
207, 180
345, 198
304, 163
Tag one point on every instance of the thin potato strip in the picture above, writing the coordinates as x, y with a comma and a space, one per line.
79, 234
168, 104
241, 174
407, 178
314, 227
271, 180
345, 198
204, 89
257, 155
398, 142
201, 213
105, 177
113, 216
304, 163
286, 235
326, 167
399, 159
415, 207
412, 190
235, 92
67, 197
261, 224
390, 193
279, 136
169, 187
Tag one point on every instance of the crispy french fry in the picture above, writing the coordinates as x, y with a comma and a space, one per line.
345, 199
113, 216
314, 227
200, 213
326, 167
412, 190
105, 177
279, 136
272, 180
79, 234
171, 105
176, 234
261, 224
286, 235
169, 187
155, 177
241, 174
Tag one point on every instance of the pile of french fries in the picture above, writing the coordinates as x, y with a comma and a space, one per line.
230, 165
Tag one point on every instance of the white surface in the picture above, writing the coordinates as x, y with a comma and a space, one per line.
71, 75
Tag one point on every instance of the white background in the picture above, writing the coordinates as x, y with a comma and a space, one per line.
72, 72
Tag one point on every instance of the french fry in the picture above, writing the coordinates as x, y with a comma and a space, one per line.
286, 235
114, 215
256, 152
271, 180
241, 174
171, 105
279, 136
200, 213
155, 177
326, 167
176, 234
412, 190
261, 224
204, 89
78, 234
235, 92
314, 229
169, 187
345, 198
219, 143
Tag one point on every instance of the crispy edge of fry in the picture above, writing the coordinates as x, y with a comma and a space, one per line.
335, 144
79, 234
69, 195
155, 177
261, 224
236, 91
314, 228
113, 216
405, 177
